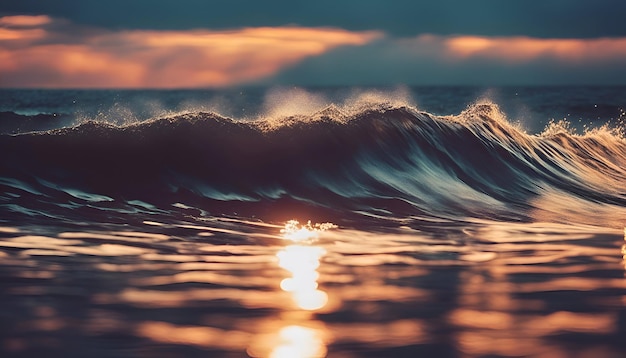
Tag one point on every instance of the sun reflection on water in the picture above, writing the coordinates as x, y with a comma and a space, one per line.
302, 261
299, 341
301, 258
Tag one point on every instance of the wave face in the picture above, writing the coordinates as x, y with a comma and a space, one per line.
389, 162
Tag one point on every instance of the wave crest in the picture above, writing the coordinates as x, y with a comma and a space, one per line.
382, 158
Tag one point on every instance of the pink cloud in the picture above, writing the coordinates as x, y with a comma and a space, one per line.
34, 54
25, 20
525, 49
22, 28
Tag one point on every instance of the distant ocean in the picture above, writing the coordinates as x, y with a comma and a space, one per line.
313, 222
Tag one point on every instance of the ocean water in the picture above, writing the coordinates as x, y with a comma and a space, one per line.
313, 222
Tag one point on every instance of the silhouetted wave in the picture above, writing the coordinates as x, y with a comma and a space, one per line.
383, 160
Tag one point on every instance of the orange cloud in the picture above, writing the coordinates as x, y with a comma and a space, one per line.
195, 58
524, 49
15, 28
12, 34
25, 20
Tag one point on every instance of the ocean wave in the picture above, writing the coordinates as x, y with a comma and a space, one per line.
381, 159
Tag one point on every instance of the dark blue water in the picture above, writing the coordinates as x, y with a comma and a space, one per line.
445, 221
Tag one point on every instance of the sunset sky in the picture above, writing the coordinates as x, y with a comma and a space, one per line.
217, 44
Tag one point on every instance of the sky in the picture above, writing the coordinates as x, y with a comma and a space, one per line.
227, 43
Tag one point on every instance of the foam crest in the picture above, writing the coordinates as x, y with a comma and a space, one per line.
362, 99
280, 103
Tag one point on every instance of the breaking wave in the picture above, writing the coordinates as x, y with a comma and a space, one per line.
387, 161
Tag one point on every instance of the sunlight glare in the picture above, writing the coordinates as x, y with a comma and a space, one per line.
298, 233
302, 262
299, 341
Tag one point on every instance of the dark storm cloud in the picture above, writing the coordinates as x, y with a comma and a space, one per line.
546, 19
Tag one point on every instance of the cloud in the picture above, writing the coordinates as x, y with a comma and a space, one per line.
39, 51
525, 49
24, 28
466, 60
25, 20
42, 51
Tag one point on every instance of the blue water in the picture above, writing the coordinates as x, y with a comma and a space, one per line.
444, 221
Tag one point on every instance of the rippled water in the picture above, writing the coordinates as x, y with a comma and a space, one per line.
207, 286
